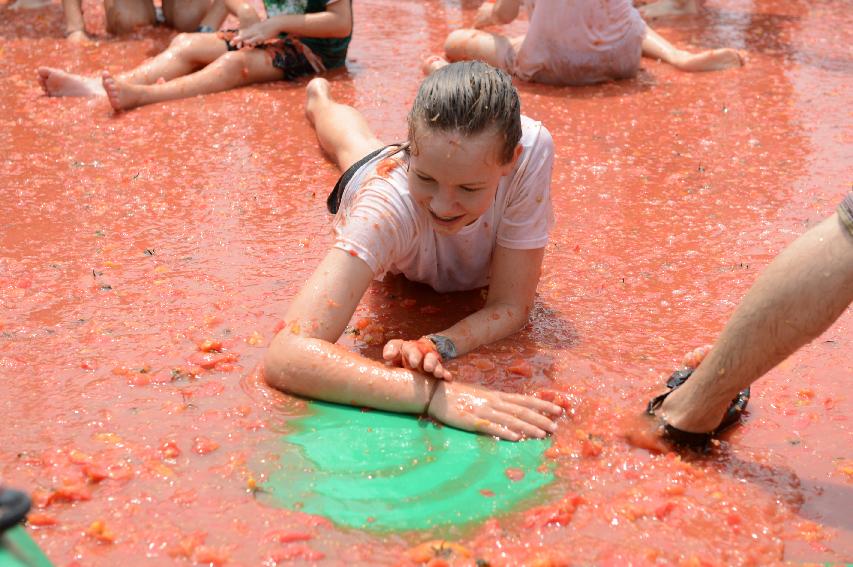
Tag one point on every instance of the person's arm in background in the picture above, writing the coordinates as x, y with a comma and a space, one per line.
496, 13
797, 297
244, 11
335, 21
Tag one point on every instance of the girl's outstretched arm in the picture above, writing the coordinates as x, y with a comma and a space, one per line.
513, 281
304, 360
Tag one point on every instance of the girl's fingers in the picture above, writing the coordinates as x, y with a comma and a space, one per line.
441, 372
518, 425
528, 415
413, 355
432, 362
497, 430
537, 404
392, 349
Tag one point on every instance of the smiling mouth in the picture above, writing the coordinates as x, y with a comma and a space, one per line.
445, 220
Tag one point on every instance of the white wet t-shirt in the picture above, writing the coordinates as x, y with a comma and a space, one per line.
379, 221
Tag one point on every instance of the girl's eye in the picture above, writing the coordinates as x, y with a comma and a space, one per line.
423, 177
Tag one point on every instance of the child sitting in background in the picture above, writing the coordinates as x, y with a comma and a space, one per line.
202, 63
573, 42
465, 203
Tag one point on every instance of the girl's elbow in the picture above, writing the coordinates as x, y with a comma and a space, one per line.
275, 366
341, 28
342, 31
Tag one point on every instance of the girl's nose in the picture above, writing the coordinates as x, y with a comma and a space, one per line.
443, 203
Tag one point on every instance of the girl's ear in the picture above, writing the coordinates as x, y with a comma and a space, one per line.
510, 165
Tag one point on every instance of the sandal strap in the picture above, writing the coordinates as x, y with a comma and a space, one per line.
688, 438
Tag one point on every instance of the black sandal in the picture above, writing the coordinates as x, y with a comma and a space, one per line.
688, 438
14, 506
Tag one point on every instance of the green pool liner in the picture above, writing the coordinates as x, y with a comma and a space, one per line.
17, 549
383, 471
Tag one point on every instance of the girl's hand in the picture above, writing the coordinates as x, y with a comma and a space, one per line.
485, 17
254, 34
420, 355
508, 416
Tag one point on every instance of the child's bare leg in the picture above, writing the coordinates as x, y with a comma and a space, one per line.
495, 49
29, 4
187, 15
124, 16
56, 82
233, 69
657, 47
660, 8
342, 130
217, 11
187, 53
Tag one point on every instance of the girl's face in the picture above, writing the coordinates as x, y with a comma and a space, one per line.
454, 177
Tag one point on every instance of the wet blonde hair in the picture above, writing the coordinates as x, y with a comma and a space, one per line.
469, 97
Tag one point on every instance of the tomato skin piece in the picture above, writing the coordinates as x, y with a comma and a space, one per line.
95, 472
284, 536
187, 545
210, 345
514, 474
209, 360
294, 552
204, 445
559, 514
209, 555
41, 520
170, 449
99, 530
520, 367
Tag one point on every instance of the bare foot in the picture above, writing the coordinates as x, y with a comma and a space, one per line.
78, 36
661, 8
433, 63
29, 4
122, 96
316, 93
56, 82
712, 60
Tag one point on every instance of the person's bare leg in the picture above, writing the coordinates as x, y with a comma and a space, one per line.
187, 15
216, 14
661, 8
124, 16
29, 4
656, 47
232, 70
800, 294
495, 49
187, 53
342, 130
56, 82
